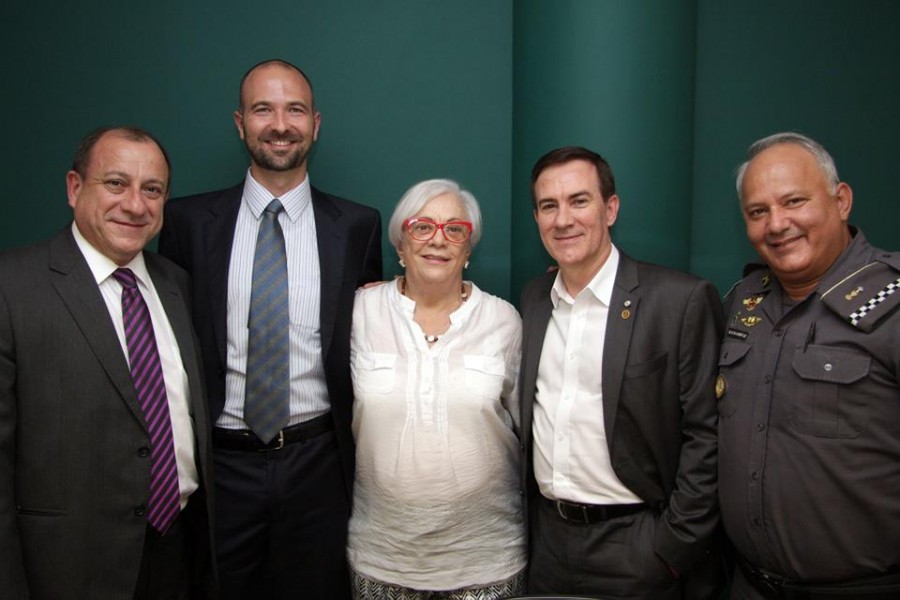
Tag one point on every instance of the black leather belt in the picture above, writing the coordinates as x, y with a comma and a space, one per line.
592, 513
879, 587
244, 439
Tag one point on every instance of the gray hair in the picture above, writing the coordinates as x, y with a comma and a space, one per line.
823, 159
418, 196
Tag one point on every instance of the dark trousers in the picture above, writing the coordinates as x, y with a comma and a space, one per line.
281, 522
607, 559
165, 572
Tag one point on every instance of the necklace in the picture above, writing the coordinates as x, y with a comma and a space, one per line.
463, 294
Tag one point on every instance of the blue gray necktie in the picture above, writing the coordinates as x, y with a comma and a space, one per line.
268, 355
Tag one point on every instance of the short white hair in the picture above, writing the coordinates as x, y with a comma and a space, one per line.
823, 159
420, 194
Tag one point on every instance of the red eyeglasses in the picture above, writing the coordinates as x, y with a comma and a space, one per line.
422, 229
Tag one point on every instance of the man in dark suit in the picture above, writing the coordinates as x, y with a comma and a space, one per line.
283, 486
619, 414
104, 439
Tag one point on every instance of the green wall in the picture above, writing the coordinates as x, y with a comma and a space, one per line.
408, 90
670, 91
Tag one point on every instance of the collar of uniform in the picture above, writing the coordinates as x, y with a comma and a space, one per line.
601, 285
857, 254
294, 201
101, 266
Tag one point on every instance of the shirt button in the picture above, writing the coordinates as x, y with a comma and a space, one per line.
767, 379
140, 510
757, 522
143, 452
754, 475
760, 426
778, 333
827, 367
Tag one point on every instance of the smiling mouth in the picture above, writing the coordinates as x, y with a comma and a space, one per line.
784, 244
435, 258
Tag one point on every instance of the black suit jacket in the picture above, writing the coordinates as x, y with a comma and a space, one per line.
197, 234
73, 475
659, 409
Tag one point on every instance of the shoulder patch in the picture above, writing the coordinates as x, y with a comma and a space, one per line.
867, 296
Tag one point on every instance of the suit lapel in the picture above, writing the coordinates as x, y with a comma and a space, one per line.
74, 282
619, 328
537, 309
219, 239
332, 245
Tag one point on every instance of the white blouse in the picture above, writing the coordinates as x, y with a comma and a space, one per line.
436, 503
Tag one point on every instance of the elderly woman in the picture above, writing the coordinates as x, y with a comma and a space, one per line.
436, 510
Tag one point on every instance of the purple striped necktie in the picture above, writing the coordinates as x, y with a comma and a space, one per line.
146, 372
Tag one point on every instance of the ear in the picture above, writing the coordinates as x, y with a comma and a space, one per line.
73, 187
239, 122
612, 209
317, 122
844, 198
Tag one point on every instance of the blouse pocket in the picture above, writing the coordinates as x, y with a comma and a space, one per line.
825, 403
374, 372
484, 375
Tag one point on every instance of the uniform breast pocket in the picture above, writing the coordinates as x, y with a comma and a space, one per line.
825, 403
729, 384
484, 375
373, 372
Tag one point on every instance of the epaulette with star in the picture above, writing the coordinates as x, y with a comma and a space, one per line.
866, 296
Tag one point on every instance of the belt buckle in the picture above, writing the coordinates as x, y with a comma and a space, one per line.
280, 442
564, 515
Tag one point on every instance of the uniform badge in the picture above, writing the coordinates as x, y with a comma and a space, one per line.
766, 280
853, 293
721, 386
752, 301
751, 320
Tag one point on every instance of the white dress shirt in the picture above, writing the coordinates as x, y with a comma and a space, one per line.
436, 502
177, 390
308, 391
571, 454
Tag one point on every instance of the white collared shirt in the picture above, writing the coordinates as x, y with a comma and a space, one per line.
571, 453
177, 390
309, 393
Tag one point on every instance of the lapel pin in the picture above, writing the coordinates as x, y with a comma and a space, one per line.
766, 279
752, 301
626, 313
751, 320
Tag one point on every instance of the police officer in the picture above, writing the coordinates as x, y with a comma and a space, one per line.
809, 405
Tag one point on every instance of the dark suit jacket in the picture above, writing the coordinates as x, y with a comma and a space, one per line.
659, 406
197, 234
73, 476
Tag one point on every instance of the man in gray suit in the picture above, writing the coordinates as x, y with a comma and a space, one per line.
104, 444
619, 414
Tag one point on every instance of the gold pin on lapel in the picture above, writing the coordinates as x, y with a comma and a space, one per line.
625, 312
751, 320
752, 301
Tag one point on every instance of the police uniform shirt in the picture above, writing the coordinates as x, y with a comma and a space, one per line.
809, 428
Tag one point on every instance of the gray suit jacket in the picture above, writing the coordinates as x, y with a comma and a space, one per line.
74, 471
659, 408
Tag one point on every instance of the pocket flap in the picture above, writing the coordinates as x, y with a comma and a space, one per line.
486, 364
831, 364
372, 361
731, 352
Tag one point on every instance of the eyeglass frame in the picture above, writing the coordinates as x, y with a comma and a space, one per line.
412, 220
